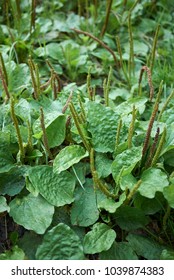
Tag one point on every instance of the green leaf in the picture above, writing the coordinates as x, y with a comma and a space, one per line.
99, 239
23, 109
167, 255
57, 189
129, 218
3, 205
153, 180
103, 165
140, 48
33, 213
145, 247
68, 157
14, 254
19, 78
30, 237
127, 182
54, 50
60, 243
55, 124
6, 161
126, 107
119, 251
125, 162
84, 211
168, 193
102, 123
12, 182
149, 205
107, 203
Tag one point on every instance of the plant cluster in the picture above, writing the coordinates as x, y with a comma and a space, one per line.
86, 139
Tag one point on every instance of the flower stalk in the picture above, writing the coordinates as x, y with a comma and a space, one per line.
16, 125
45, 139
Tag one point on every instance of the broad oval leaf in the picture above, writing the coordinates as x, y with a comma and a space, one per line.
57, 189
129, 218
153, 180
108, 203
119, 251
99, 239
3, 204
68, 157
145, 247
125, 162
33, 213
102, 125
84, 211
55, 124
12, 182
60, 243
168, 193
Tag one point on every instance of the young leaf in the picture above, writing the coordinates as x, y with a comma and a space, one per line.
55, 124
103, 165
84, 211
57, 189
153, 180
99, 239
125, 162
107, 203
68, 157
14, 254
60, 243
33, 213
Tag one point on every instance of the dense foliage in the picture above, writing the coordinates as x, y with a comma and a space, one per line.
87, 133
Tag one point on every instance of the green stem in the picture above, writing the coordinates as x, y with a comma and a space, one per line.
67, 102
166, 216
100, 42
131, 65
82, 108
149, 77
152, 149
159, 148
152, 119
118, 134
108, 10
133, 191
106, 92
45, 139
29, 142
3, 68
121, 59
16, 125
79, 127
131, 128
97, 182
33, 78
152, 55
33, 15
89, 84
165, 104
